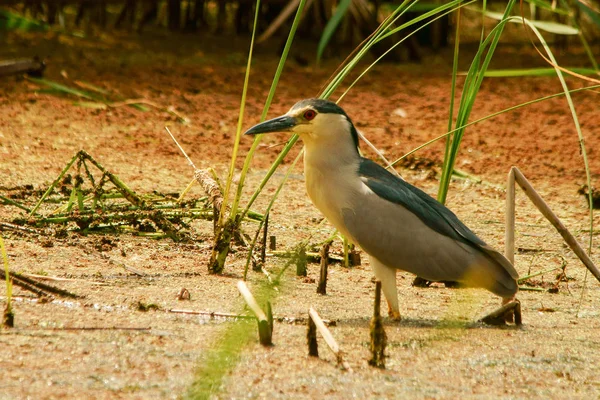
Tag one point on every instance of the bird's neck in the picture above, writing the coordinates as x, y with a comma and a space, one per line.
331, 178
330, 156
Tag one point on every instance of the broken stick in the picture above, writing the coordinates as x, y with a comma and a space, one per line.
265, 322
326, 333
517, 176
322, 287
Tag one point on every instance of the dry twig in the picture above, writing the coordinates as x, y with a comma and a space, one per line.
331, 343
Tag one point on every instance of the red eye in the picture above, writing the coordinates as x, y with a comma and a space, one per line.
309, 115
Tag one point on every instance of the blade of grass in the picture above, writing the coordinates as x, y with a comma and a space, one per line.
579, 134
336, 81
11, 21
422, 17
272, 90
332, 87
65, 89
268, 209
594, 17
489, 117
453, 83
289, 145
238, 132
549, 6
471, 87
331, 26
350, 63
510, 73
548, 26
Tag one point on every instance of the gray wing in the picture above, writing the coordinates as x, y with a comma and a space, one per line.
405, 228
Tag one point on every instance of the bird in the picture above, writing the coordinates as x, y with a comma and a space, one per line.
399, 226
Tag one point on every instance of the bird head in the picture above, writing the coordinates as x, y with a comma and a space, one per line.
315, 120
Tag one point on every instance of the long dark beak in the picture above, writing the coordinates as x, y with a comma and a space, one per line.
279, 124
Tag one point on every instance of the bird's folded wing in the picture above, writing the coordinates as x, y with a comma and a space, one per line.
432, 213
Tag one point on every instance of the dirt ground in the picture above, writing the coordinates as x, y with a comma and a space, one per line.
104, 346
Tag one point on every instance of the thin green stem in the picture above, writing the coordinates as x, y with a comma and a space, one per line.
238, 133
268, 210
577, 127
453, 84
471, 87
489, 117
392, 48
269, 100
293, 139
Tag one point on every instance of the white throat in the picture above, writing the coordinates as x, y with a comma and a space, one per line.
331, 163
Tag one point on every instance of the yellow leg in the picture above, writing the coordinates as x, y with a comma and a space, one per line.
387, 277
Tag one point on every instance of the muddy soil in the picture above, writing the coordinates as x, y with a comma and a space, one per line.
121, 338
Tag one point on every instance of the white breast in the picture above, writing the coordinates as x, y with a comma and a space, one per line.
333, 189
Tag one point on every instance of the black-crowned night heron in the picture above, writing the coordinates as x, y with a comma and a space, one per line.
396, 224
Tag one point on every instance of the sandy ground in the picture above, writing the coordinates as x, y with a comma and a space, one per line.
103, 346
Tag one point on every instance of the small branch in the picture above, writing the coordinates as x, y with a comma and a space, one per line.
98, 328
211, 314
322, 287
53, 185
280, 319
210, 186
500, 316
311, 256
14, 203
333, 346
537, 200
263, 250
41, 289
6, 225
265, 325
509, 234
301, 261
58, 279
311, 337
524, 278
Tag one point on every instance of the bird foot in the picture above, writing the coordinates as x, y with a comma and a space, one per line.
394, 315
507, 313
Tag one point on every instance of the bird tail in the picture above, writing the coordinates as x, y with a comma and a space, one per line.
506, 275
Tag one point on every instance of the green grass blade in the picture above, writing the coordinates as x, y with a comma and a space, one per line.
270, 96
10, 21
594, 16
333, 87
331, 26
268, 209
453, 83
563, 83
65, 89
422, 17
490, 116
351, 64
471, 87
238, 133
546, 5
510, 73
291, 142
548, 26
